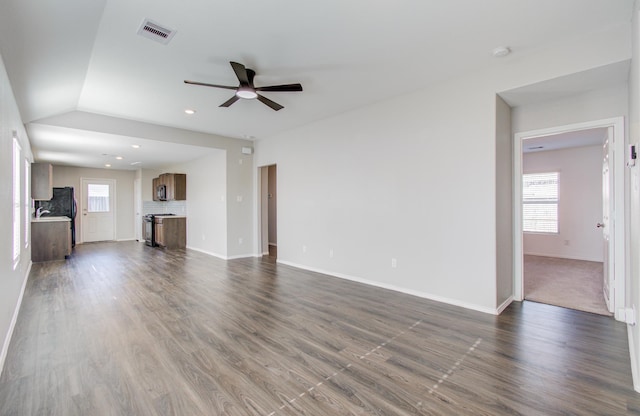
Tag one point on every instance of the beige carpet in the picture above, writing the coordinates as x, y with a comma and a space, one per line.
574, 284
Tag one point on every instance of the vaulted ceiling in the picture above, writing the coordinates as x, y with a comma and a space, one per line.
78, 55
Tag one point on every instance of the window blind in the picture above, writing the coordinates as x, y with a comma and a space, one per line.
540, 202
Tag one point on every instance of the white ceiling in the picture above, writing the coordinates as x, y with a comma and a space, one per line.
78, 55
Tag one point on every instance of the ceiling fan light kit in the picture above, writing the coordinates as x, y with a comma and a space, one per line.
246, 93
246, 90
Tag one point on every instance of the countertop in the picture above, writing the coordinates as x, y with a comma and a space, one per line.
50, 219
170, 216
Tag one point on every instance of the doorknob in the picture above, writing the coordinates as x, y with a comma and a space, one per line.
599, 225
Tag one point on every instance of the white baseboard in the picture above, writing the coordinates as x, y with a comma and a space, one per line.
210, 253
222, 256
634, 359
504, 305
14, 319
240, 256
419, 294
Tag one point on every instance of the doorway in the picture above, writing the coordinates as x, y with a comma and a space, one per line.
269, 211
97, 206
615, 273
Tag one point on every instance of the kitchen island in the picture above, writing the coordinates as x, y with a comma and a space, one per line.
50, 238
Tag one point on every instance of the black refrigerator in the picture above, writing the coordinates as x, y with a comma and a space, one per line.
62, 204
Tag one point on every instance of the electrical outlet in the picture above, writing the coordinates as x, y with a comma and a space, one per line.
330, 253
240, 241
304, 249
239, 198
394, 263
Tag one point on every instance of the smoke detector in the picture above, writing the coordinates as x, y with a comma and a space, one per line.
501, 51
155, 31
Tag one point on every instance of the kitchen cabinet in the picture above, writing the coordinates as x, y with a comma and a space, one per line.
154, 191
171, 231
41, 181
50, 239
176, 185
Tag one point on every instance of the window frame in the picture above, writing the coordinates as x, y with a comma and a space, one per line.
16, 201
27, 202
542, 201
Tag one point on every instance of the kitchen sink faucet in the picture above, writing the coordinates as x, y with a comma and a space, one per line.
41, 211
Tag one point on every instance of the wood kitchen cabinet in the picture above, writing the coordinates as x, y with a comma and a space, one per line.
154, 191
50, 240
176, 184
41, 181
171, 231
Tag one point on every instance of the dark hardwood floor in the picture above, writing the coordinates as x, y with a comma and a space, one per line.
126, 329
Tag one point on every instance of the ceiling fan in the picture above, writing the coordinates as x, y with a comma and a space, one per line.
247, 90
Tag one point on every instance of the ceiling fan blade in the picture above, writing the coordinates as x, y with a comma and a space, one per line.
229, 101
270, 103
281, 88
241, 72
250, 75
227, 87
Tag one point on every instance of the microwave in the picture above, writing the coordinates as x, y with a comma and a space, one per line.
161, 192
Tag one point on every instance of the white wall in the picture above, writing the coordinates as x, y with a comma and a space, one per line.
395, 180
580, 206
207, 203
125, 209
504, 202
597, 104
11, 280
633, 285
415, 178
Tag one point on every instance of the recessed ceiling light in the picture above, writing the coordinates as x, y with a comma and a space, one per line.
135, 146
107, 165
135, 163
501, 51
119, 157
190, 111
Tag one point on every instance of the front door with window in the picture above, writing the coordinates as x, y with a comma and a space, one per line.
97, 208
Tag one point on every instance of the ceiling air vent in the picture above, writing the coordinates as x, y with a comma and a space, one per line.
152, 30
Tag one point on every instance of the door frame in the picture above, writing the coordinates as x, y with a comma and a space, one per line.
617, 242
82, 201
263, 209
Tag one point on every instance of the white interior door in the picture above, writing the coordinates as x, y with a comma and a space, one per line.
97, 209
606, 225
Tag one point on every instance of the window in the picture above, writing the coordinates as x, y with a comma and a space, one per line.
540, 202
98, 197
27, 203
17, 205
